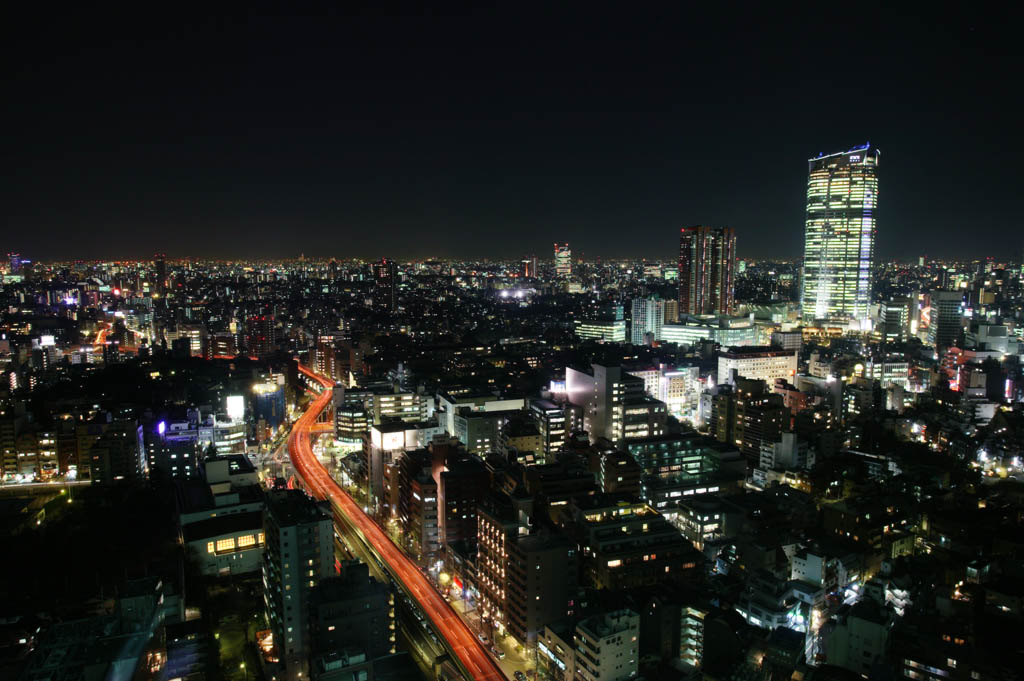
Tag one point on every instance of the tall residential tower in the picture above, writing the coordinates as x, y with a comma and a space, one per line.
707, 264
384, 275
839, 236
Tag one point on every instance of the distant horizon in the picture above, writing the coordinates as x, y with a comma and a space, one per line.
491, 259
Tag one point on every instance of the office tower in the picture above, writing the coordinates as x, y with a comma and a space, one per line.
603, 330
894, 317
260, 335
648, 316
707, 264
839, 236
385, 296
15, 262
299, 553
563, 261
946, 319
160, 266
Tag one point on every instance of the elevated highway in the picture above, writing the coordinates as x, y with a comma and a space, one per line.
469, 654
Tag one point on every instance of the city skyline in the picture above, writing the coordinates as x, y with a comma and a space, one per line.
513, 343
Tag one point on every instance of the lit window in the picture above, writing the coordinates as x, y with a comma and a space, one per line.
245, 541
225, 545
209, 547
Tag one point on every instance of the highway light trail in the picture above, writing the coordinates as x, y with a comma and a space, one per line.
467, 649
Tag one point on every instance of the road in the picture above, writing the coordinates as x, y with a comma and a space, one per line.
472, 657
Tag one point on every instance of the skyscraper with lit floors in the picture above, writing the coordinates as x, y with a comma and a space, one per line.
839, 235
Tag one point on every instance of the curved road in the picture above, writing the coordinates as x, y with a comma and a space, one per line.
470, 653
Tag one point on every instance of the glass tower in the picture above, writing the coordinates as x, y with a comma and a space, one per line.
839, 237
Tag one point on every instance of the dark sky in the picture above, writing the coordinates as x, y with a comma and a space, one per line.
492, 134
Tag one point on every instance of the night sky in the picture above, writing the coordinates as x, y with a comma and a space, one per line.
493, 134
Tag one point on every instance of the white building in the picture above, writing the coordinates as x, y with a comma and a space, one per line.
647, 318
606, 331
679, 388
757, 363
608, 646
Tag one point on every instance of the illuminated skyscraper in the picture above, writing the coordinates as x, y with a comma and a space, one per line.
563, 260
839, 237
707, 265
384, 275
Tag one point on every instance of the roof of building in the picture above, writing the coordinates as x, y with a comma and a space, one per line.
222, 525
293, 507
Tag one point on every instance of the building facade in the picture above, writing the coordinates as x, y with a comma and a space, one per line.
839, 235
707, 262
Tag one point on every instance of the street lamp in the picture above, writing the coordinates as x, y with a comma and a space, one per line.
246, 671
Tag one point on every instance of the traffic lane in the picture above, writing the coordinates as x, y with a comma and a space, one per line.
463, 643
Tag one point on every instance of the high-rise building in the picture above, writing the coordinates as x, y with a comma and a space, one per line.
563, 260
299, 553
160, 266
526, 580
707, 263
839, 236
260, 335
15, 262
946, 319
648, 316
384, 274
895, 318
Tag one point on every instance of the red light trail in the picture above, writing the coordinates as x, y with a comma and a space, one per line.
467, 649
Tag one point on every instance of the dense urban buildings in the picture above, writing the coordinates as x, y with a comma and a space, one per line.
784, 486
291, 387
